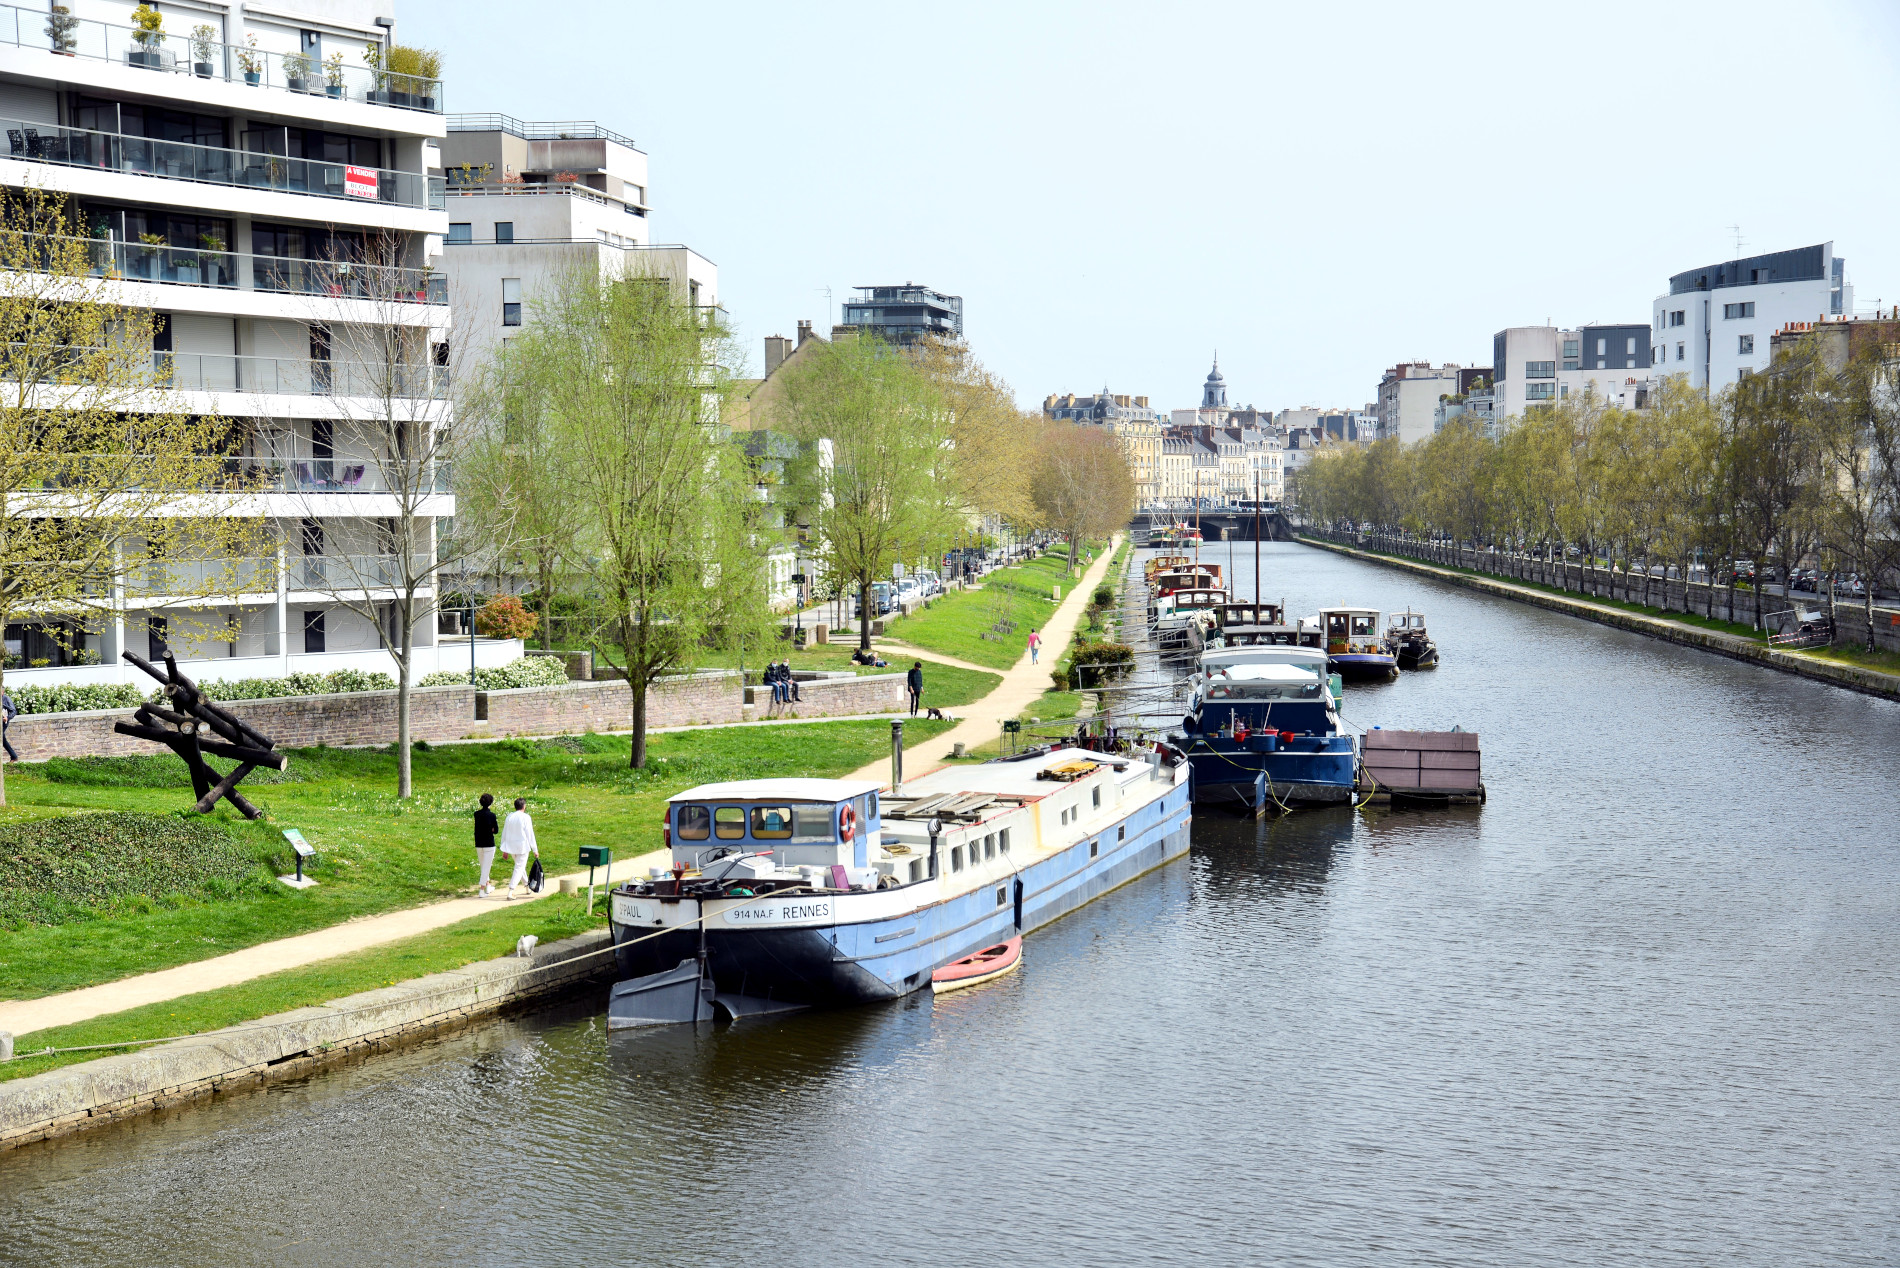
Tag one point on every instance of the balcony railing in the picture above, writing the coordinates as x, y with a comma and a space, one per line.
259, 575
177, 53
215, 165
213, 372
235, 270
344, 474
349, 572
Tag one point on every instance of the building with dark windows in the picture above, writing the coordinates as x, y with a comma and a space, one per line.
1714, 325
904, 314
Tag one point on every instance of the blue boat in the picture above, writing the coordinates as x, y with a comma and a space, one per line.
795, 893
1262, 730
1355, 645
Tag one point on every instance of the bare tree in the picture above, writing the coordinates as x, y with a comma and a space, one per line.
1082, 485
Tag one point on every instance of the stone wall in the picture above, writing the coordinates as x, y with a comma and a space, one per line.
693, 700
836, 697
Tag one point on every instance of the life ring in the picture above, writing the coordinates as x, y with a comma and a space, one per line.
847, 823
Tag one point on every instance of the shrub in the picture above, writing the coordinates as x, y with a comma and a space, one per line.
504, 616
337, 682
53, 870
1060, 678
528, 671
1104, 595
1097, 663
71, 698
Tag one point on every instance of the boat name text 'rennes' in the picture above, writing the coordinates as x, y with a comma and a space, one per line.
761, 914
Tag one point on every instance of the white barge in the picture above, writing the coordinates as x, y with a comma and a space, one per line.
795, 893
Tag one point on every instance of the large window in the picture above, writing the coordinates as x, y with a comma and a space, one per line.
729, 823
461, 233
1676, 318
772, 823
1540, 369
1732, 311
1539, 391
1746, 345
695, 823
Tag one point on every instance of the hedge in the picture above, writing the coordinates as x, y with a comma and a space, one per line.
71, 697
55, 870
529, 671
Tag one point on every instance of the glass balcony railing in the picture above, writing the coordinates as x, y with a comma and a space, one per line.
349, 572
341, 474
259, 575
233, 270
210, 164
212, 372
177, 53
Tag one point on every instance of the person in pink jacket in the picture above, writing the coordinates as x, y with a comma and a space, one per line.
1035, 646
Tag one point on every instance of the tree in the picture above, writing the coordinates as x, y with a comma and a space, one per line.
1774, 461
1857, 413
880, 464
103, 489
1082, 485
666, 550
390, 386
993, 442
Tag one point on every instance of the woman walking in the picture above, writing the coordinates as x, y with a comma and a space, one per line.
517, 842
1035, 646
485, 827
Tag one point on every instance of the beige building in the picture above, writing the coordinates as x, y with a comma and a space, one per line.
1131, 421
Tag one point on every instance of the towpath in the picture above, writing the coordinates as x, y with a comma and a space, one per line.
1020, 686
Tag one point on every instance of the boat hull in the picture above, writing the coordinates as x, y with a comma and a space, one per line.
1360, 666
1311, 771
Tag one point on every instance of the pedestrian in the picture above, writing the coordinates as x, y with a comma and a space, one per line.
1035, 646
791, 683
8, 712
771, 680
485, 827
915, 680
517, 842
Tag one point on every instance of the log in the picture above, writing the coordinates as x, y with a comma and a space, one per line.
236, 752
224, 788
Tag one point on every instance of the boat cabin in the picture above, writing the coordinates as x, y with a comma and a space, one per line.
798, 822
1196, 600
1166, 563
1350, 630
1239, 698
1406, 623
1192, 577
1231, 614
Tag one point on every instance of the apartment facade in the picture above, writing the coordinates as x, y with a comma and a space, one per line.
1408, 399
1135, 425
247, 175
1714, 325
905, 314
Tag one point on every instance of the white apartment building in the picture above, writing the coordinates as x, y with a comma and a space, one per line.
275, 200
1408, 399
1540, 365
1714, 323
529, 201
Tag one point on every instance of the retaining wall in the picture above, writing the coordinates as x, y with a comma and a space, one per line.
1868, 681
288, 1045
693, 700
836, 697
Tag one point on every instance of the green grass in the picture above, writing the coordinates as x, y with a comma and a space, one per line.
376, 853
482, 938
956, 624
1857, 656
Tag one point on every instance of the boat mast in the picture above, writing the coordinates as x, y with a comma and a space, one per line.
1256, 541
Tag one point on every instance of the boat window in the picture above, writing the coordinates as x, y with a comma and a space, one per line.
956, 858
1362, 626
1095, 847
916, 870
695, 823
870, 807
812, 822
772, 822
729, 823
1002, 840
1002, 895
989, 846
1098, 799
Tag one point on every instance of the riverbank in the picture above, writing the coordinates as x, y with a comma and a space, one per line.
1738, 647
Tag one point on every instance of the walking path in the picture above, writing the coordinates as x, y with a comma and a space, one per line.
1019, 688
1022, 685
921, 653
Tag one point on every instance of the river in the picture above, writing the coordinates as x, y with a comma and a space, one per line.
1638, 1008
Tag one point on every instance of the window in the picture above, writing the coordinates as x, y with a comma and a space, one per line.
1540, 369
870, 808
1629, 346
1603, 346
1095, 848
1121, 832
312, 633
1002, 840
989, 846
1732, 311
772, 823
1602, 364
1745, 372
156, 629
1682, 352
1098, 799
511, 301
460, 234
504, 232
1745, 345
956, 858
1539, 391
811, 823
1676, 318
729, 823
695, 823
1572, 347
1002, 895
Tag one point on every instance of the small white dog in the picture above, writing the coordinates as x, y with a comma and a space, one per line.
525, 947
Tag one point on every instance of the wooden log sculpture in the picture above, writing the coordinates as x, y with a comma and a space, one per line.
187, 729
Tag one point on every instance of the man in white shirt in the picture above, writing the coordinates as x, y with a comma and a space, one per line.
517, 842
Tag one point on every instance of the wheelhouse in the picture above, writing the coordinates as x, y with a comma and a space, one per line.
798, 822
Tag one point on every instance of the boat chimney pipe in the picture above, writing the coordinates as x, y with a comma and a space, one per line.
897, 757
936, 826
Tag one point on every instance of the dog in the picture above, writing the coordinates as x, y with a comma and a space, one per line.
934, 715
525, 947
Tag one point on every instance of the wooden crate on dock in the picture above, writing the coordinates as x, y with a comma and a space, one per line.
1430, 765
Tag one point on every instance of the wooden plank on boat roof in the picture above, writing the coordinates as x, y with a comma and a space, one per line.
966, 802
929, 805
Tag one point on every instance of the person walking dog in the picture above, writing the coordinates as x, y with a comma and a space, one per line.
485, 828
915, 681
517, 842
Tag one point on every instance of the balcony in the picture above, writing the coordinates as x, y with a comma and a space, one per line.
215, 165
178, 54
345, 474
235, 270
217, 577
214, 372
350, 572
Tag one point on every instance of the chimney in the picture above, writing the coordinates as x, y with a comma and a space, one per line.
804, 332
777, 348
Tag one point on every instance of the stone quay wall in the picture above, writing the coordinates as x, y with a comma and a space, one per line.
692, 700
835, 697
289, 1045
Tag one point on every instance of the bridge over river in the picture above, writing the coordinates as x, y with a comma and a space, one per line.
1228, 524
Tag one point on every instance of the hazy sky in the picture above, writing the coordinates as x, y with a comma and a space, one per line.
1317, 190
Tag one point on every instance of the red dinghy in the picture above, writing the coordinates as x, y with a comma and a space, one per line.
973, 970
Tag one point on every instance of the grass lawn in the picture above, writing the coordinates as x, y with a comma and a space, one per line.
962, 624
376, 853
484, 937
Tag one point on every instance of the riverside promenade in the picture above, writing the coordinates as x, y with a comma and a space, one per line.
1853, 677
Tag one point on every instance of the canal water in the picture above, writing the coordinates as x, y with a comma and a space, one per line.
1639, 1008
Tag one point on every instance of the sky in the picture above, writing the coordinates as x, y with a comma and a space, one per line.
1317, 191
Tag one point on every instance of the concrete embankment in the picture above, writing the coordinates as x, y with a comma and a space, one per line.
93, 1093
1868, 681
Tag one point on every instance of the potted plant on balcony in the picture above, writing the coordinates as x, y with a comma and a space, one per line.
148, 32
60, 28
296, 71
213, 259
412, 75
378, 77
252, 61
333, 74
149, 244
204, 40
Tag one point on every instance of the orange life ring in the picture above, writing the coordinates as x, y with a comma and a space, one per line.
847, 823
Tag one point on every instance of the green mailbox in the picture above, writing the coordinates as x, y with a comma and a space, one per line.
596, 855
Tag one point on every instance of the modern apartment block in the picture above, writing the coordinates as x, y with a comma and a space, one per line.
904, 314
1408, 398
1538, 366
1715, 323
528, 202
276, 198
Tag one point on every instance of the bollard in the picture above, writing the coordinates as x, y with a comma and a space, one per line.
897, 757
